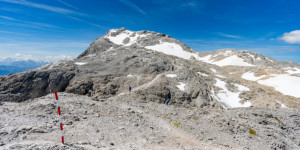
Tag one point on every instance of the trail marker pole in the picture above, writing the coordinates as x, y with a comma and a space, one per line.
59, 113
60, 120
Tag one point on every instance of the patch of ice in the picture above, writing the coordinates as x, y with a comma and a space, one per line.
171, 75
79, 63
229, 98
202, 74
172, 49
284, 83
250, 76
181, 86
232, 61
241, 87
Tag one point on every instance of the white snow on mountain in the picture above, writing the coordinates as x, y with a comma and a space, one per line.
80, 63
220, 76
284, 83
181, 86
164, 47
172, 49
213, 70
253, 57
282, 105
250, 76
206, 58
292, 70
231, 61
171, 75
241, 87
231, 99
202, 74
120, 37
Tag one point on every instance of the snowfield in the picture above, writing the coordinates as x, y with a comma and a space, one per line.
284, 83
293, 70
232, 61
228, 61
250, 76
172, 49
231, 99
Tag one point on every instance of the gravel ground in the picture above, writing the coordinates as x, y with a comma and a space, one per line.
122, 122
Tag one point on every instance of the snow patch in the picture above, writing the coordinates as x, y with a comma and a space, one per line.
171, 75
181, 86
118, 39
241, 87
250, 76
229, 98
281, 104
228, 61
213, 70
293, 70
232, 61
206, 59
220, 76
202, 74
285, 84
172, 49
129, 75
80, 63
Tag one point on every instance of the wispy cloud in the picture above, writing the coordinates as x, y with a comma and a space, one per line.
86, 22
229, 35
44, 7
27, 24
5, 17
67, 4
133, 6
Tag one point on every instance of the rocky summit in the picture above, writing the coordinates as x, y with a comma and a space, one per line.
225, 99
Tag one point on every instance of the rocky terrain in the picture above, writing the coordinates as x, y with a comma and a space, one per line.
123, 122
225, 99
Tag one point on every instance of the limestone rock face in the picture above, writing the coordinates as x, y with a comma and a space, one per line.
155, 64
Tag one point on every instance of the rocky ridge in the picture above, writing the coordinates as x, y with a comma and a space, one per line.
209, 93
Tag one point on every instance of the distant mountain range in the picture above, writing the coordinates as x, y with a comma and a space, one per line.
9, 65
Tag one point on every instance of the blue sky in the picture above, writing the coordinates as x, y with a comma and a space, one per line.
59, 28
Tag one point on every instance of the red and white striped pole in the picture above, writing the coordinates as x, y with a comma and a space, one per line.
60, 120
58, 109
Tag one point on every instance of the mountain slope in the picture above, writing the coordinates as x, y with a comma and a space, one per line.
218, 99
122, 58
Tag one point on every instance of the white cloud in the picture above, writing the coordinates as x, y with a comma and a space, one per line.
19, 57
292, 37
